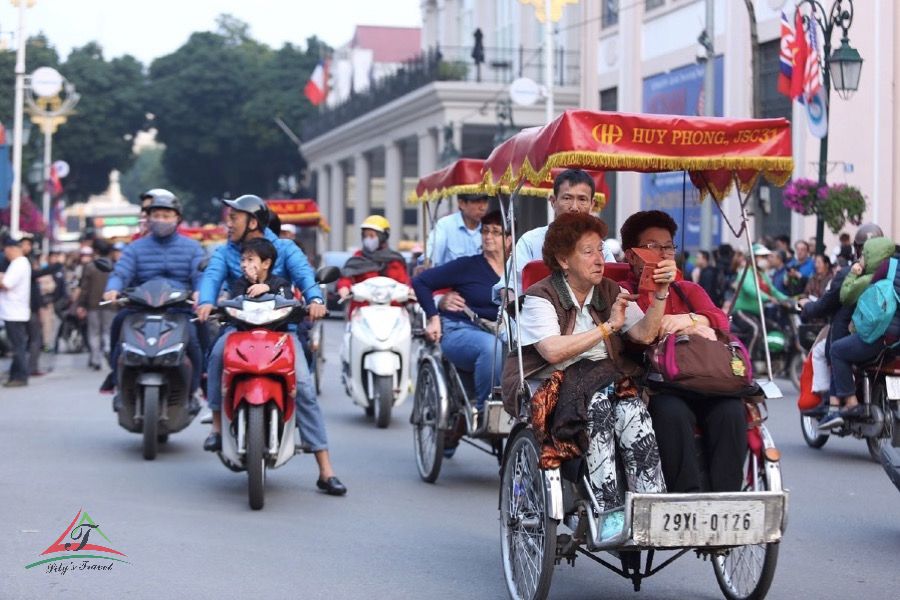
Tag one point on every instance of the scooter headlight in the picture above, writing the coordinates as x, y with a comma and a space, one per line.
170, 356
381, 295
133, 355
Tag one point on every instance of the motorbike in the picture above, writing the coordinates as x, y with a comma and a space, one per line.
259, 381
878, 389
375, 354
154, 372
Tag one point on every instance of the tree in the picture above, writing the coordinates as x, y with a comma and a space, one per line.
215, 99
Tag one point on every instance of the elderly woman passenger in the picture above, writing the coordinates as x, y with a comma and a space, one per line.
574, 321
687, 311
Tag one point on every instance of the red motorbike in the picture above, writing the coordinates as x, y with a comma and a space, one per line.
259, 383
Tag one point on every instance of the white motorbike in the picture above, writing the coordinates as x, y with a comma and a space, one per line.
376, 348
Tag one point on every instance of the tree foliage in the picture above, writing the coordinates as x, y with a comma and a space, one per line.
213, 102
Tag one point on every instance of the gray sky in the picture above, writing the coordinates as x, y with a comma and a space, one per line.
147, 29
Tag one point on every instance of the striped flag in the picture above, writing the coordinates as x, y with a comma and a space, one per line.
800, 53
316, 89
786, 56
812, 78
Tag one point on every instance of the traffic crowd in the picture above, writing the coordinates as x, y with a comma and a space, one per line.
570, 317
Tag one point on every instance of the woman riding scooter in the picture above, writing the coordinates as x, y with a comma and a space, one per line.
373, 259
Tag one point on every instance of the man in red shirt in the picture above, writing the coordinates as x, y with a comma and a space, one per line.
374, 259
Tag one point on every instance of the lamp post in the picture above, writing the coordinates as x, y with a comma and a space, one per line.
18, 117
844, 66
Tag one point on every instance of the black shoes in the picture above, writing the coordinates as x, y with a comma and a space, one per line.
213, 442
108, 385
332, 486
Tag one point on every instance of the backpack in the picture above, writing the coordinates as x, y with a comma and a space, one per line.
876, 307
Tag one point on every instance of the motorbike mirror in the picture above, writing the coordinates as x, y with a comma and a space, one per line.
104, 265
328, 274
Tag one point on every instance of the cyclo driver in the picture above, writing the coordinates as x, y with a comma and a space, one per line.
249, 219
161, 254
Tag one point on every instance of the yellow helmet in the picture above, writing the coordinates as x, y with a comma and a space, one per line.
377, 223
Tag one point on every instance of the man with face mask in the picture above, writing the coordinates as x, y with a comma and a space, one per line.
162, 253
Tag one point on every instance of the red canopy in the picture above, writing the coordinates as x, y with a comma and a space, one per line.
298, 211
713, 150
465, 177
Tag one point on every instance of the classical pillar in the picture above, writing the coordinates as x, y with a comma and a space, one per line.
393, 190
361, 174
630, 100
590, 50
427, 153
737, 80
338, 205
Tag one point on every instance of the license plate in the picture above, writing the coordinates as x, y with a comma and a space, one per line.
893, 387
706, 523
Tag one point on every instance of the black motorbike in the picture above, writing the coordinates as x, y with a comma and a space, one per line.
154, 371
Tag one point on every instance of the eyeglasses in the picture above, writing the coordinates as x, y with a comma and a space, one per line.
494, 232
660, 248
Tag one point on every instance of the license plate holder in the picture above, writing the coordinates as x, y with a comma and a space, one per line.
707, 523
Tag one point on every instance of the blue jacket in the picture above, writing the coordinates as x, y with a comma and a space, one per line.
174, 258
290, 263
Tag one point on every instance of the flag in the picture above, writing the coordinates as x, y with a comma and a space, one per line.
812, 77
786, 57
54, 184
800, 55
316, 89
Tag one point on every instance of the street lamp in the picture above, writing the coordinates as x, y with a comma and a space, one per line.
844, 66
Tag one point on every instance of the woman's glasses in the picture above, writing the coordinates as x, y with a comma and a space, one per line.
660, 248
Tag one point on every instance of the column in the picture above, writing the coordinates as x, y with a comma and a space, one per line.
393, 190
737, 81
590, 49
428, 153
361, 175
338, 204
630, 87
323, 198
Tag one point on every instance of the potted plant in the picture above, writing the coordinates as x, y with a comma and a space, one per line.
836, 204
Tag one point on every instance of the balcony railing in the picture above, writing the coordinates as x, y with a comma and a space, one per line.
501, 65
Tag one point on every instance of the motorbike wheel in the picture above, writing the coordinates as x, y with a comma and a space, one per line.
382, 399
256, 461
746, 572
795, 368
428, 439
151, 421
879, 399
811, 434
527, 533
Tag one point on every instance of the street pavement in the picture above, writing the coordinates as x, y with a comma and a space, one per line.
184, 523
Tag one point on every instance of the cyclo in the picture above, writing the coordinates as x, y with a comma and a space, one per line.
444, 405
535, 504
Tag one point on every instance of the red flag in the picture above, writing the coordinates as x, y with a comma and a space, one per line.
54, 184
800, 53
316, 89
786, 56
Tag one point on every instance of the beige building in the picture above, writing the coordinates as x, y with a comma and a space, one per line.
642, 57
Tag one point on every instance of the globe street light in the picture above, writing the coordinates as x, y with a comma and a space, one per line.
844, 66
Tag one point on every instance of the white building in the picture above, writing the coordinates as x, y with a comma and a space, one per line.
640, 58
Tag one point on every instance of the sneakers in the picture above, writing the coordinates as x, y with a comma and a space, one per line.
13, 383
831, 420
613, 523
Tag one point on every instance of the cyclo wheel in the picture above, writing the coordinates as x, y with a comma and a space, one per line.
527, 533
427, 438
811, 434
746, 572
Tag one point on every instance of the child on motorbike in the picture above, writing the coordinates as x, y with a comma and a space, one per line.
257, 257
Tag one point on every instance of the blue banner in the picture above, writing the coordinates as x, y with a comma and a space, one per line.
680, 92
6, 175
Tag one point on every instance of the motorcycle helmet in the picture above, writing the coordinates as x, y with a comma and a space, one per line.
864, 234
378, 224
776, 341
160, 198
252, 205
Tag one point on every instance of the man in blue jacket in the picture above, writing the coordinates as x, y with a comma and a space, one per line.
163, 254
248, 219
